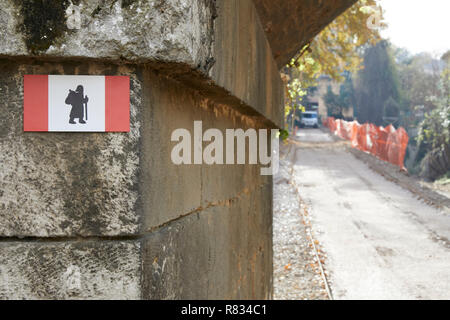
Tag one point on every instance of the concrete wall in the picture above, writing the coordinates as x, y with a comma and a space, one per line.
114, 208
107, 215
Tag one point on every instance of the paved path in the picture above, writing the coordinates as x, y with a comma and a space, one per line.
381, 242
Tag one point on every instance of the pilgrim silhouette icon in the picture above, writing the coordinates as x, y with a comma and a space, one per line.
79, 105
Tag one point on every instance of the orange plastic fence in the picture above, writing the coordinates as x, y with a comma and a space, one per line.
387, 143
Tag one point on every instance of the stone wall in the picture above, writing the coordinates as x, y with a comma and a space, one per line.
107, 215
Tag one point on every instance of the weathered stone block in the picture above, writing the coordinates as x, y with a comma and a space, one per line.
59, 184
169, 30
70, 270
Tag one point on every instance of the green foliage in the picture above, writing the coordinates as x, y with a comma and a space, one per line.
337, 103
433, 139
295, 93
284, 134
434, 131
425, 89
419, 77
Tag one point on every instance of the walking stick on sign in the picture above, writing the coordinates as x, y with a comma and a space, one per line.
85, 104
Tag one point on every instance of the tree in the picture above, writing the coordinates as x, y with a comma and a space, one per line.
434, 131
391, 108
295, 94
337, 103
419, 77
333, 103
335, 50
377, 89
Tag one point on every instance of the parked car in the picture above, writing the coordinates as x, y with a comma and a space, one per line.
310, 119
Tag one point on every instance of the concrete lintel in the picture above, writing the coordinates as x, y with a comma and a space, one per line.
291, 24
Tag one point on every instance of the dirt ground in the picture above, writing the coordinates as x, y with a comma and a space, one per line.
380, 233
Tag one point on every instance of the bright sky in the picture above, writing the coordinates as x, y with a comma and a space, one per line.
418, 25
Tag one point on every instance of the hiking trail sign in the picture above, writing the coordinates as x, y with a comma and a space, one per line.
78, 103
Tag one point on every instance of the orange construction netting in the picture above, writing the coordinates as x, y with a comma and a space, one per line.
387, 143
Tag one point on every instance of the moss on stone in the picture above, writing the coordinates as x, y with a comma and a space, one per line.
127, 3
43, 22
